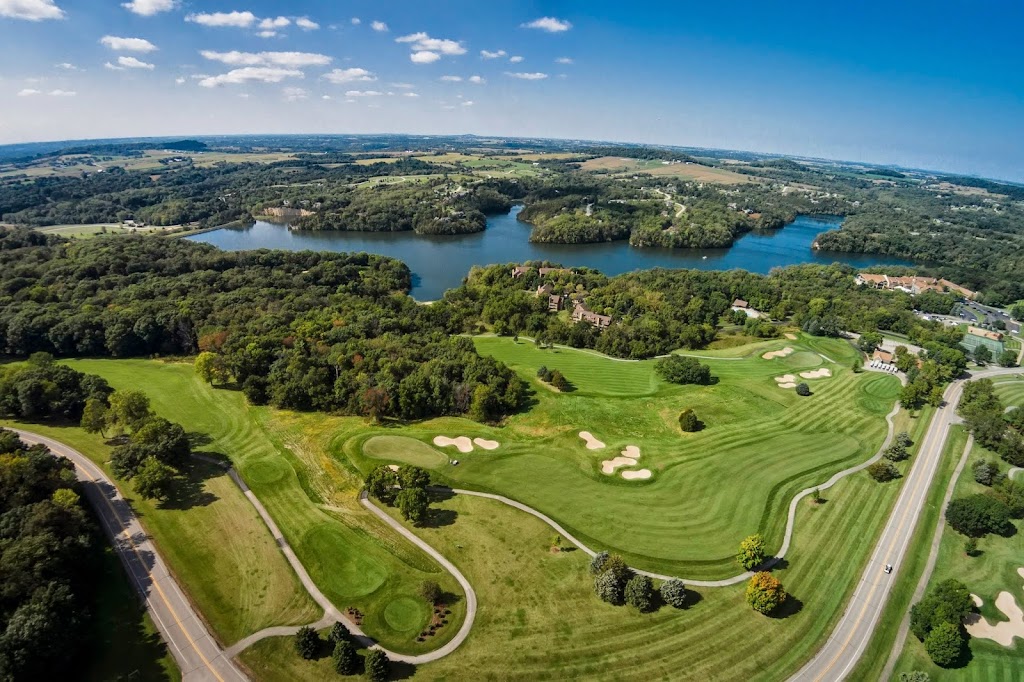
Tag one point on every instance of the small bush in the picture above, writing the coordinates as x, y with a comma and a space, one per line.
803, 389
345, 660
674, 593
339, 633
688, 421
307, 642
639, 593
378, 667
765, 593
883, 471
945, 644
896, 453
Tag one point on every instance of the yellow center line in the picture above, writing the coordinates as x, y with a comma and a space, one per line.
156, 584
875, 586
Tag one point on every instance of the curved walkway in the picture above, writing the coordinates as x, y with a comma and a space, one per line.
198, 656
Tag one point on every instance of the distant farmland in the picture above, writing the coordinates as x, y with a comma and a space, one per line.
688, 171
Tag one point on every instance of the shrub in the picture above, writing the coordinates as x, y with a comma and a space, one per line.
978, 515
915, 676
688, 421
559, 381
752, 552
597, 563
945, 644
609, 588
764, 592
903, 438
1010, 493
674, 593
382, 483
307, 642
883, 471
985, 472
679, 369
414, 503
971, 547
639, 592
948, 602
803, 389
378, 667
896, 453
339, 633
431, 591
543, 373
345, 660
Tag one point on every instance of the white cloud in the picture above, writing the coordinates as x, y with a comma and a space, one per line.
30, 10
363, 93
244, 95
131, 63
424, 57
564, 60
267, 34
28, 92
468, 103
251, 74
67, 66
349, 75
356, 21
295, 94
148, 8
221, 19
180, 80
403, 86
379, 26
477, 80
549, 24
62, 93
527, 76
128, 44
516, 59
270, 24
409, 94
306, 24
325, 96
486, 54
452, 79
289, 59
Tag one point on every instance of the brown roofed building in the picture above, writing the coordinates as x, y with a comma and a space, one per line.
985, 333
581, 314
518, 271
883, 355
555, 303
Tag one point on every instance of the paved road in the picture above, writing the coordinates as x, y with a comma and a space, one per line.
199, 657
853, 632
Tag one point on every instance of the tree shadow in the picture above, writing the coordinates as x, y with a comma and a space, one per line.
401, 670
197, 439
190, 491
439, 518
449, 599
775, 563
440, 493
790, 607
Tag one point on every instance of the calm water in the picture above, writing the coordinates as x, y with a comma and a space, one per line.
439, 263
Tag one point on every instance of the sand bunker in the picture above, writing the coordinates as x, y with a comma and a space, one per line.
1002, 632
486, 444
631, 451
786, 381
638, 474
592, 443
977, 600
788, 384
463, 443
817, 374
610, 465
777, 353
791, 336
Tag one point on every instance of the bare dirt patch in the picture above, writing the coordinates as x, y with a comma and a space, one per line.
772, 354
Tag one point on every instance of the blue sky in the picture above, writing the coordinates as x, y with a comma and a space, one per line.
936, 85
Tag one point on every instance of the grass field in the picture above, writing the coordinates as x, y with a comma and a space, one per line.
691, 171
96, 229
539, 618
994, 571
1011, 390
761, 445
238, 571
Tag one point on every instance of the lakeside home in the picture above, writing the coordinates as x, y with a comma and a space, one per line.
912, 285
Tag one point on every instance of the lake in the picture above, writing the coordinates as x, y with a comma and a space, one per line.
439, 263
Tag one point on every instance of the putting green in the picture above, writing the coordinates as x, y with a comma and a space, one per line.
405, 450
406, 614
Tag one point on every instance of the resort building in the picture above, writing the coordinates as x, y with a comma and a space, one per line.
912, 285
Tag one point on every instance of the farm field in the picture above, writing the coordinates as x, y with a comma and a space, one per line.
539, 618
986, 575
708, 490
692, 171
282, 456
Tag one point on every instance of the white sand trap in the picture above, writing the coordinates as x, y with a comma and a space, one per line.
817, 374
977, 600
393, 467
788, 384
785, 378
1002, 632
486, 444
1020, 572
610, 465
638, 474
592, 443
463, 443
791, 336
632, 452
777, 353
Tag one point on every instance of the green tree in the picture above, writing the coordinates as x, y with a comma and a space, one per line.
944, 644
982, 354
559, 381
985, 472
597, 563
382, 483
413, 477
680, 369
414, 503
609, 588
764, 592
883, 471
212, 368
95, 416
674, 593
978, 515
307, 642
915, 676
689, 422
948, 602
752, 552
971, 547
378, 667
339, 633
346, 662
803, 389
544, 374
869, 341
639, 593
1008, 359
431, 591
903, 438
154, 480
896, 453
129, 409
65, 498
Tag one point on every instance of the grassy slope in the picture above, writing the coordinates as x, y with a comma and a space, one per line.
282, 457
994, 571
762, 444
538, 617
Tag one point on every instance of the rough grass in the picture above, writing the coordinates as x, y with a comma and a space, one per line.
994, 571
710, 489
283, 457
685, 171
